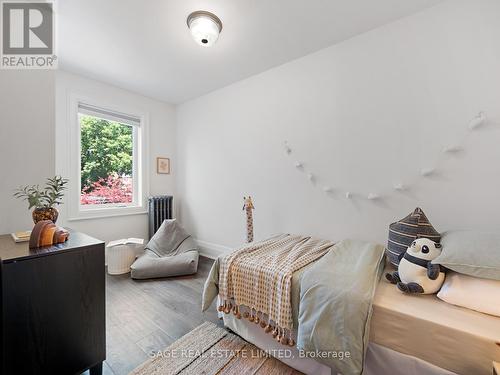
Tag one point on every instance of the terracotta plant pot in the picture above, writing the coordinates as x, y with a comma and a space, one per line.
40, 214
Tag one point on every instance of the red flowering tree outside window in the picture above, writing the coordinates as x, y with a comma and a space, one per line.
113, 189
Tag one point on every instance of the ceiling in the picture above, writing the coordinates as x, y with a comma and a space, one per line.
145, 46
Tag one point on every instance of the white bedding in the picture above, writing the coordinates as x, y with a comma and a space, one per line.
409, 333
481, 295
379, 360
455, 338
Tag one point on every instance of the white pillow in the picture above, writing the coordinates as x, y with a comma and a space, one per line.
482, 295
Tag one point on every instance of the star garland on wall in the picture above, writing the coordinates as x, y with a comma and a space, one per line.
427, 172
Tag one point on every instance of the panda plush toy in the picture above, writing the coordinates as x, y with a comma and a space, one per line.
416, 273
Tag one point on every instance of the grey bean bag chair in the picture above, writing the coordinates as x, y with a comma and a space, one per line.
170, 252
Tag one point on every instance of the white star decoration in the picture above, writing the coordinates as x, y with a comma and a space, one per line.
451, 149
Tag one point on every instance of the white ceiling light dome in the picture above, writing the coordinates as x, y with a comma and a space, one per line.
205, 27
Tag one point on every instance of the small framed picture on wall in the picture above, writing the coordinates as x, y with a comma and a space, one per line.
162, 165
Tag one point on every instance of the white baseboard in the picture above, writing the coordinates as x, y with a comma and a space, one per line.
212, 250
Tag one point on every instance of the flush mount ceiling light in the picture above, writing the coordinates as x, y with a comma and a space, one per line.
205, 27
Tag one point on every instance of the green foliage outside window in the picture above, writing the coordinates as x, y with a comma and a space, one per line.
106, 149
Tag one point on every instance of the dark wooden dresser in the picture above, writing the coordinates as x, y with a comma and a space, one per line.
52, 307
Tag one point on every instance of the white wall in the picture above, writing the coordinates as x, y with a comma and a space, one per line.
161, 143
26, 140
363, 115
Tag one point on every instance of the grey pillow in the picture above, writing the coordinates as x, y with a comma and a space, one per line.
471, 253
167, 239
403, 232
150, 266
170, 252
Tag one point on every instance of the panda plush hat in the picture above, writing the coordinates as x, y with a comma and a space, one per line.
416, 273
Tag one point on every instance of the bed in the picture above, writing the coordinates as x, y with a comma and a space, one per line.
421, 334
455, 338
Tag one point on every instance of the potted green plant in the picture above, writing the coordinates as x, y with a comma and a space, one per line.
43, 199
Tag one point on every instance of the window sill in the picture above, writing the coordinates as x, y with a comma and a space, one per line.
103, 215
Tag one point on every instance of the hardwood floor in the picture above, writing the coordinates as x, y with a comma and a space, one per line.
147, 316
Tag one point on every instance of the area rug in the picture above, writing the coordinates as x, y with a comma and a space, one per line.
209, 349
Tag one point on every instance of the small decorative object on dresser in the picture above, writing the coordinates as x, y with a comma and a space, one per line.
46, 233
162, 165
43, 199
21, 236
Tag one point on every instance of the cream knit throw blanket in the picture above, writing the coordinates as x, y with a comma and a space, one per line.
255, 281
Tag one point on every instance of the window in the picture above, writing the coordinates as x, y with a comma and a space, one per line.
109, 163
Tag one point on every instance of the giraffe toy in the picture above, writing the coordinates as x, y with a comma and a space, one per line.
248, 207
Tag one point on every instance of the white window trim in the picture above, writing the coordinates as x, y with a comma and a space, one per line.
141, 164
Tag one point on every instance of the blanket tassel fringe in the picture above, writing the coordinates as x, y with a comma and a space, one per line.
282, 335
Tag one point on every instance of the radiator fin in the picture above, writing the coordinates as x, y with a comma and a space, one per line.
160, 209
